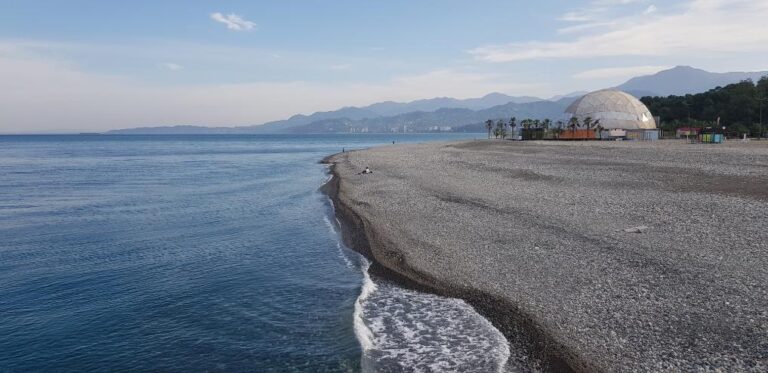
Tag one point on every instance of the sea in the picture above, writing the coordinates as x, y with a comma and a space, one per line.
206, 253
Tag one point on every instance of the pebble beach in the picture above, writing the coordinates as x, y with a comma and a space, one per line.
588, 256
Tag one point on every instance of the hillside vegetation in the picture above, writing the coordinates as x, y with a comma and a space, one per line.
741, 107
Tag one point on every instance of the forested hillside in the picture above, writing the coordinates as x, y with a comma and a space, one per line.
739, 106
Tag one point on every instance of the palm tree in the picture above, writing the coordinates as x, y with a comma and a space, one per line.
513, 124
489, 125
559, 125
546, 123
500, 124
573, 123
587, 122
558, 131
526, 123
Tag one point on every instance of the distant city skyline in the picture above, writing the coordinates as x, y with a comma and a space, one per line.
94, 65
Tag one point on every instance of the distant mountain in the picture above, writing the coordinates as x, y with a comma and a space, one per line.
371, 112
300, 120
682, 80
444, 119
453, 119
438, 114
390, 108
576, 94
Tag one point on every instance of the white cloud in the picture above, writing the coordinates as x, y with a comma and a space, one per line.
650, 9
579, 16
172, 66
619, 72
704, 28
585, 27
595, 10
233, 21
617, 2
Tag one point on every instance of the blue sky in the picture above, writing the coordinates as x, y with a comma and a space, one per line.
96, 65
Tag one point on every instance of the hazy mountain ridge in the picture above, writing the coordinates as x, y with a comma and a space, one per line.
682, 80
441, 119
437, 114
389, 108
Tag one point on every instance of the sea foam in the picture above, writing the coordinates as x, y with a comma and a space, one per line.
418, 332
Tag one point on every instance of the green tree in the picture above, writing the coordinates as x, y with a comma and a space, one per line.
598, 126
546, 124
526, 123
513, 124
500, 128
489, 126
762, 99
740, 108
573, 123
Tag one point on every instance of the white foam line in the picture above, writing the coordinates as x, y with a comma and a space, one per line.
504, 354
344, 256
330, 226
363, 333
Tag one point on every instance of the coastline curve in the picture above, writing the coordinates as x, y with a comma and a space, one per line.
540, 351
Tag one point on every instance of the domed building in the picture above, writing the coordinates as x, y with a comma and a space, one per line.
615, 110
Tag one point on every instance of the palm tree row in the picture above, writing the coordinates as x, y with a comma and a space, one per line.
499, 128
500, 131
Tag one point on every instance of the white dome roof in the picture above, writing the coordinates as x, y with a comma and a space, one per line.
614, 109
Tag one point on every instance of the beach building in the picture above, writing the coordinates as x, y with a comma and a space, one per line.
686, 132
620, 115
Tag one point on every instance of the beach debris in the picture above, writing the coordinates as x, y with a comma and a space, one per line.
638, 229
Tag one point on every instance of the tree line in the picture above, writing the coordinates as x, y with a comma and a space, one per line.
499, 128
742, 108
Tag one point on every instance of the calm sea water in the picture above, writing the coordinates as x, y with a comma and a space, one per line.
203, 253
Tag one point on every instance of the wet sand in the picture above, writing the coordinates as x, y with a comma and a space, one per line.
534, 236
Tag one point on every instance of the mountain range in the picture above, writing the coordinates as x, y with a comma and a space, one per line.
682, 80
467, 115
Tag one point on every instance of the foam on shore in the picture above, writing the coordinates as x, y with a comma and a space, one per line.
407, 330
420, 332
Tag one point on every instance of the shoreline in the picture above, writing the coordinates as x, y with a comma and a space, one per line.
533, 236
518, 328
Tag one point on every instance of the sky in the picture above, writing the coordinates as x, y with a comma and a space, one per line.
94, 65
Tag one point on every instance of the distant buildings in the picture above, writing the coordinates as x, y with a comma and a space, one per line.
440, 129
686, 132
